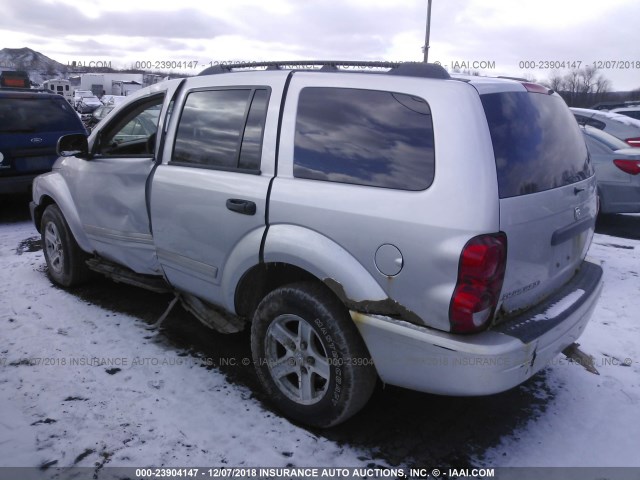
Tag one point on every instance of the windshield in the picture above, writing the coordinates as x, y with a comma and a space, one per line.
25, 115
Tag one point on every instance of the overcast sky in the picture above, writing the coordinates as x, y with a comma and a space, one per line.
502, 33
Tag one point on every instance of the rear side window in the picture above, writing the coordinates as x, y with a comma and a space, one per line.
584, 120
536, 141
26, 115
222, 129
364, 137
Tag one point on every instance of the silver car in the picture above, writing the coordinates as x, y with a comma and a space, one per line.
620, 126
617, 169
405, 226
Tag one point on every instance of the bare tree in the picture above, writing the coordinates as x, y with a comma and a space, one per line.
580, 87
555, 82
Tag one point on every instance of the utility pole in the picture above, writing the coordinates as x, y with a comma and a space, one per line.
428, 30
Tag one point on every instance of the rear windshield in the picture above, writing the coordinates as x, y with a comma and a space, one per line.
536, 141
26, 115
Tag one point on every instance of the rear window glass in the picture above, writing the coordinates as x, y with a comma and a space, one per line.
536, 141
26, 115
364, 137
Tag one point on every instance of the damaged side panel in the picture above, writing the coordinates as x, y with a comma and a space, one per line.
387, 307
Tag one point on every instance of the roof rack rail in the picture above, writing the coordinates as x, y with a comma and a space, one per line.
518, 79
411, 69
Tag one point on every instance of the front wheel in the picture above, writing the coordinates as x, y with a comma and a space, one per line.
65, 260
309, 355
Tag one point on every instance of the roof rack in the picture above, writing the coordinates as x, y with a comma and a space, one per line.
410, 69
518, 79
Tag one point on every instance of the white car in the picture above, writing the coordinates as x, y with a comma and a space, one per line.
113, 99
633, 112
78, 95
623, 127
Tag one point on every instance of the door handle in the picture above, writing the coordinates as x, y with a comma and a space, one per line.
245, 207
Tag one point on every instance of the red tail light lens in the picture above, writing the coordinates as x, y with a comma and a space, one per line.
634, 142
480, 276
15, 82
535, 88
631, 167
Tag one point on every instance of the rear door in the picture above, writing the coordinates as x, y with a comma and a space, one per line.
209, 197
547, 192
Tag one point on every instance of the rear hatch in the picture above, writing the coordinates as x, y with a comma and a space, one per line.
547, 193
29, 131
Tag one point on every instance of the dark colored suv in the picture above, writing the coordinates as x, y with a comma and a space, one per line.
30, 126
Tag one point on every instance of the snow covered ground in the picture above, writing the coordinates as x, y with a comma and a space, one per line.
83, 385
593, 420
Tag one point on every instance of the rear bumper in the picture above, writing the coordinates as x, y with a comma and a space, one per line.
489, 362
17, 184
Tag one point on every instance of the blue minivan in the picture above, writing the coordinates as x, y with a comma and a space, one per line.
30, 125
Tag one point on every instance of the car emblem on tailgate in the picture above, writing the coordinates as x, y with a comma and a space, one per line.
36, 140
577, 213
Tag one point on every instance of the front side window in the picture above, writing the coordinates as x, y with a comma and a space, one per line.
222, 129
133, 131
364, 137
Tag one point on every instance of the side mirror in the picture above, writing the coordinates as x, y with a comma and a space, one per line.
74, 145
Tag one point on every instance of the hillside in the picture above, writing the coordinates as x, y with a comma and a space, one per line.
39, 66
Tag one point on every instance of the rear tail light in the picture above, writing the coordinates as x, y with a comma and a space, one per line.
634, 142
631, 167
480, 276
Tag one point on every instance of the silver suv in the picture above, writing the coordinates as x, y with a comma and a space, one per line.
399, 225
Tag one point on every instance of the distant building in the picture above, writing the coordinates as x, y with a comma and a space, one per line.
109, 83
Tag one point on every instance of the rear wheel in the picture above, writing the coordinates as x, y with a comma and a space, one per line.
65, 260
309, 355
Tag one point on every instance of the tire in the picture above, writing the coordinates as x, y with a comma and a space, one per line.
296, 330
65, 260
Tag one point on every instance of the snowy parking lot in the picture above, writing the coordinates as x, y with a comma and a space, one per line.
84, 382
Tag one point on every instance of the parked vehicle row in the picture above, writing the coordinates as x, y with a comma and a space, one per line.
305, 205
85, 101
620, 126
617, 169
